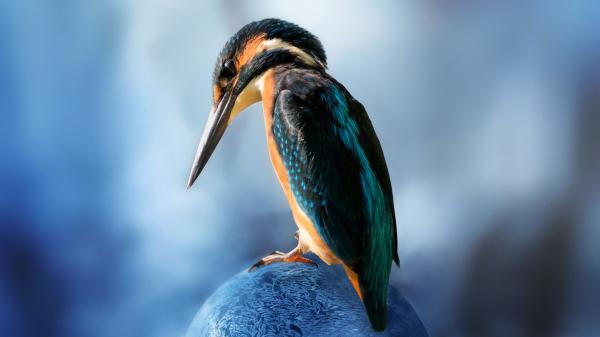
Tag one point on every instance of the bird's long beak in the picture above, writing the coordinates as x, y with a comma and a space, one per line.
219, 118
213, 131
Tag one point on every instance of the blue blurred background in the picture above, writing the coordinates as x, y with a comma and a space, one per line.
488, 112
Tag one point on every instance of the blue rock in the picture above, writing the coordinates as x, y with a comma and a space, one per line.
297, 299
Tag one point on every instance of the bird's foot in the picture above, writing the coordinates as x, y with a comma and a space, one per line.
276, 256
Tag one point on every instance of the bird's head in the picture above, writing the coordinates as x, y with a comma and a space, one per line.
237, 78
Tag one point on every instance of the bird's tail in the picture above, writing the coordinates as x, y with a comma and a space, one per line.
375, 301
373, 293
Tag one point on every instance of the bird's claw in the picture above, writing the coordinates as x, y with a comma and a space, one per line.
278, 256
256, 265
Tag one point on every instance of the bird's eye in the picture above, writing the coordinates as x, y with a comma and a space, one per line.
228, 68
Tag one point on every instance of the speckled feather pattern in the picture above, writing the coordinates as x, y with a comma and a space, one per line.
307, 192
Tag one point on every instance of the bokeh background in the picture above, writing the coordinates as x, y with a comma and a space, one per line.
488, 112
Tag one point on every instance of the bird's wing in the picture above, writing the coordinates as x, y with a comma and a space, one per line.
339, 179
338, 174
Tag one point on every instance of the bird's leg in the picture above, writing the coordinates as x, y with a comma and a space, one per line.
294, 256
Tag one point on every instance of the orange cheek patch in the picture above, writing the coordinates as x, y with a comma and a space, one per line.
217, 94
250, 50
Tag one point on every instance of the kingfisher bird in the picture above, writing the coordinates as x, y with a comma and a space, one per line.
323, 148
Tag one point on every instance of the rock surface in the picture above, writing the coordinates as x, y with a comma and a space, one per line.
297, 300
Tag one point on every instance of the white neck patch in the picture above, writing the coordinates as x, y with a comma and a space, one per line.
280, 44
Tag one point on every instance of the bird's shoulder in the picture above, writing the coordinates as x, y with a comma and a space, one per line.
313, 101
304, 83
